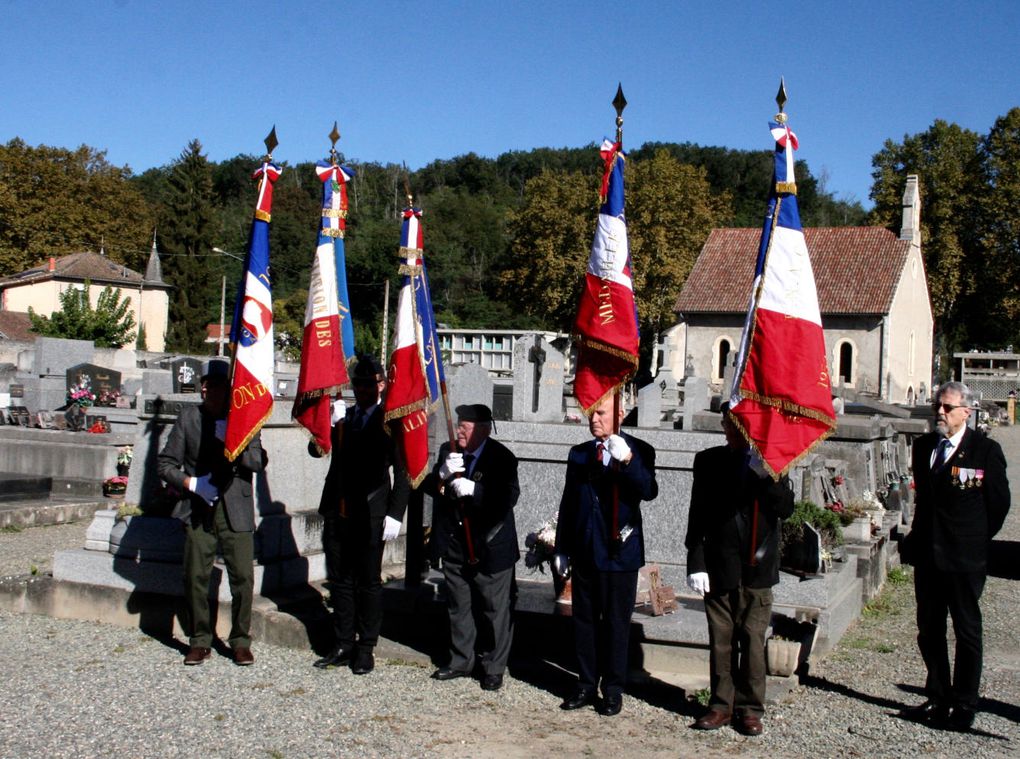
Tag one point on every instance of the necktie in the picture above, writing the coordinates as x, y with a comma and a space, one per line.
941, 454
599, 453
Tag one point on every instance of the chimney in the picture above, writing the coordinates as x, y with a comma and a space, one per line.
53, 264
911, 226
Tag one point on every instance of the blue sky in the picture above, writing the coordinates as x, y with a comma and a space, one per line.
417, 81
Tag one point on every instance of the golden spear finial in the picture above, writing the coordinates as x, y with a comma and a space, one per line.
333, 136
619, 103
781, 101
271, 143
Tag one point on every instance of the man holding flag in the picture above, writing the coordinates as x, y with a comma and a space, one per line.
599, 532
780, 407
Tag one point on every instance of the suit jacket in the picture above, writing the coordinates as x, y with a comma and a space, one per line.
193, 450
584, 525
958, 509
721, 520
493, 529
359, 472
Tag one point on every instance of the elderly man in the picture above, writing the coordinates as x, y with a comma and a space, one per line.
474, 491
218, 507
961, 497
363, 503
733, 561
609, 473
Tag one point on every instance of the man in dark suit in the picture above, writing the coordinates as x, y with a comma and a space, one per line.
474, 491
218, 508
363, 503
609, 469
733, 561
961, 497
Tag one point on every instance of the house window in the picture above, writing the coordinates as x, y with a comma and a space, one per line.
845, 364
720, 358
910, 355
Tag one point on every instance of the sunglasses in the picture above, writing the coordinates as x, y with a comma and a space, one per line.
947, 407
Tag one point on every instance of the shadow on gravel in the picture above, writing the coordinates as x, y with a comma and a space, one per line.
1002, 559
820, 683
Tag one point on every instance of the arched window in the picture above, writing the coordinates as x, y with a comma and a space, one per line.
845, 370
721, 357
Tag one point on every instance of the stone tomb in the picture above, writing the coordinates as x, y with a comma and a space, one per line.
103, 383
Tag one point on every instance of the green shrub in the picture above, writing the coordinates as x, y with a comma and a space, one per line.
825, 521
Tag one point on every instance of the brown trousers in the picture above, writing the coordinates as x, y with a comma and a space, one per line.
737, 622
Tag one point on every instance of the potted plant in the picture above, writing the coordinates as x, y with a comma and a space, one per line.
541, 545
124, 455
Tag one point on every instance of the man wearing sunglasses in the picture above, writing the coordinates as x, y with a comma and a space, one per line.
961, 500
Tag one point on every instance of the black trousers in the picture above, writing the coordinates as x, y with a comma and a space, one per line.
603, 603
354, 551
957, 594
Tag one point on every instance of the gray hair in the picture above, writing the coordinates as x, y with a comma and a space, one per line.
966, 394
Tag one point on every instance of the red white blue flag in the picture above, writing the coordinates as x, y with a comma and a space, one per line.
781, 397
416, 380
606, 327
251, 397
328, 339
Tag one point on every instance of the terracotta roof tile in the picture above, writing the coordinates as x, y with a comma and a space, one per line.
16, 325
856, 270
78, 266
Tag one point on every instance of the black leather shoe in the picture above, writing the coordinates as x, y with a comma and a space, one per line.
933, 712
962, 718
492, 682
363, 663
446, 673
611, 706
580, 698
338, 657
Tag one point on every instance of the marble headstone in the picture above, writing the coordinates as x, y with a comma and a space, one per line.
538, 381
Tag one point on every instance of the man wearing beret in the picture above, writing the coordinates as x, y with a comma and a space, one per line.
608, 473
363, 503
218, 507
474, 490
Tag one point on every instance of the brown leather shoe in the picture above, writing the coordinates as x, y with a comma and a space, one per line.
713, 720
749, 724
197, 655
243, 656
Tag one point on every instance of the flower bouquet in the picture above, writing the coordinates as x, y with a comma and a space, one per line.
81, 393
541, 545
115, 487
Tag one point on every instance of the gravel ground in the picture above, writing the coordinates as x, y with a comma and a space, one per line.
79, 689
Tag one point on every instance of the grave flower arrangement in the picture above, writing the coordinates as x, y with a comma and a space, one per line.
108, 398
81, 393
541, 545
124, 455
115, 486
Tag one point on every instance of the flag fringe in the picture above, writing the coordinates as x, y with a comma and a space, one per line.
793, 462
256, 428
587, 342
608, 394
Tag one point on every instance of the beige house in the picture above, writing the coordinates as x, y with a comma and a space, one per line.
872, 293
40, 288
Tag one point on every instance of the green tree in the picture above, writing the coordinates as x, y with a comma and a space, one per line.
947, 162
994, 307
109, 325
188, 234
670, 211
55, 201
550, 241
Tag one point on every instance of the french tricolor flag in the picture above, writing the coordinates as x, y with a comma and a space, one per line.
415, 380
781, 396
251, 390
606, 328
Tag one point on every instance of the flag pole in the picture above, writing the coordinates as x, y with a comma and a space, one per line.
619, 103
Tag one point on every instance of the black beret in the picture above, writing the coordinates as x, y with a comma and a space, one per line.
474, 412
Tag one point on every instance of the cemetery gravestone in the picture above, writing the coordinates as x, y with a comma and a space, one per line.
538, 381
187, 375
102, 384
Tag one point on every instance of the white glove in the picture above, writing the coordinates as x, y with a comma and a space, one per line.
221, 429
561, 565
390, 528
337, 411
756, 465
618, 448
698, 582
462, 487
454, 463
201, 486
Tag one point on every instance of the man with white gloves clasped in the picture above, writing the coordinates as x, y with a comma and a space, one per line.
363, 503
733, 560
